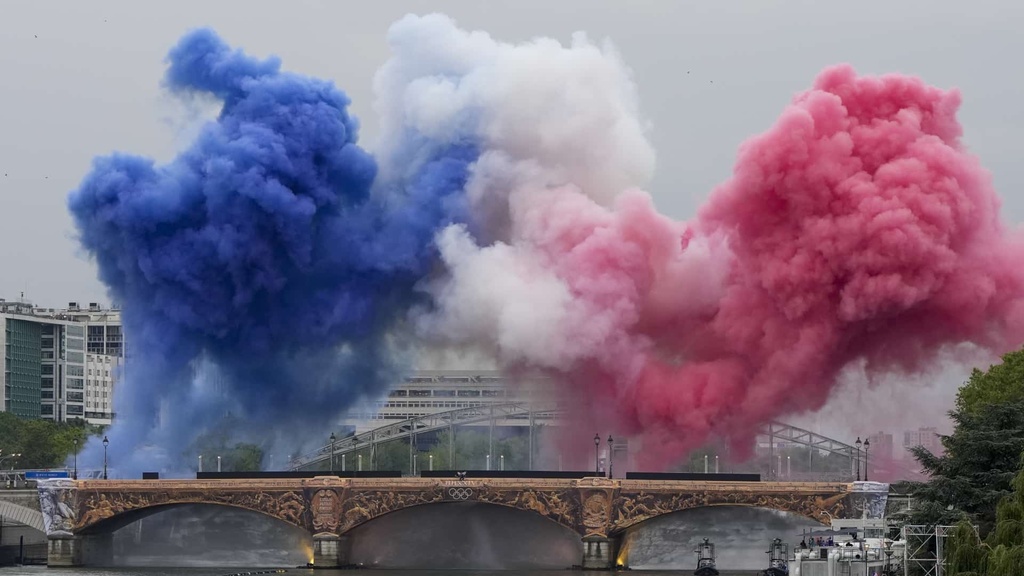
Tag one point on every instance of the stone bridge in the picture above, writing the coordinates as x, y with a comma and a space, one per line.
21, 506
81, 515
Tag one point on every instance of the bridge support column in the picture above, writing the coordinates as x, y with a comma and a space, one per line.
599, 553
330, 550
91, 550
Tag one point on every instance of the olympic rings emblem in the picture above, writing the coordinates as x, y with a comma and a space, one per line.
460, 493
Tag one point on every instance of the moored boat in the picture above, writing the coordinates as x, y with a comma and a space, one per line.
778, 559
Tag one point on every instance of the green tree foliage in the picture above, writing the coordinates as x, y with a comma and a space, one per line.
234, 456
967, 554
41, 443
981, 455
981, 459
1002, 383
1003, 552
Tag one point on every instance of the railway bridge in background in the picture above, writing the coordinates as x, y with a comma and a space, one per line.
80, 516
772, 440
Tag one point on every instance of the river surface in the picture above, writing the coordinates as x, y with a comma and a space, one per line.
43, 571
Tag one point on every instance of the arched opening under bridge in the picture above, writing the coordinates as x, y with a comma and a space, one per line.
741, 535
201, 535
464, 535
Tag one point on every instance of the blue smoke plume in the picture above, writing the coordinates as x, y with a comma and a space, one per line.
262, 272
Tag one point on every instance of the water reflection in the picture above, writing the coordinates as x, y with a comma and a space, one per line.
463, 535
741, 536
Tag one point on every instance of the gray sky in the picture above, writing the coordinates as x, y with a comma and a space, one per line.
79, 79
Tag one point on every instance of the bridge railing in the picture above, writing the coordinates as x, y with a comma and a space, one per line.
446, 420
777, 433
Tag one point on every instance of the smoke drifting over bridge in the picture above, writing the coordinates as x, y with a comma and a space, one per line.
503, 211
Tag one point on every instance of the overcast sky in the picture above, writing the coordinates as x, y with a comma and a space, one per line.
79, 79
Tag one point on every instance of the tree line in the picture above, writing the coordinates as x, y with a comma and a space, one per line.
40, 443
977, 484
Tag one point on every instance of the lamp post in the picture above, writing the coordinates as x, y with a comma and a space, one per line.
74, 475
11, 457
888, 558
430, 457
360, 459
597, 456
333, 440
716, 463
200, 462
858, 444
414, 456
611, 455
502, 460
105, 444
218, 463
867, 446
487, 462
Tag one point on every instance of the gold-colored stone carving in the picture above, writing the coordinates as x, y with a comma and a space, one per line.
361, 506
596, 505
98, 505
326, 510
630, 509
591, 507
558, 505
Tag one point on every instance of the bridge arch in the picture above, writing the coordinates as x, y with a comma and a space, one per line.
553, 505
633, 509
101, 510
110, 524
463, 535
22, 515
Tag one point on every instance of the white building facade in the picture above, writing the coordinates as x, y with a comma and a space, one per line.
46, 361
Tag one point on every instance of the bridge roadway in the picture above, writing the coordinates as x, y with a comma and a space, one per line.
81, 515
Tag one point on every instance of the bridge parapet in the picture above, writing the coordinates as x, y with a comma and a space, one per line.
328, 507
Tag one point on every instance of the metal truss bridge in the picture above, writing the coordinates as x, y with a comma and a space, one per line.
520, 413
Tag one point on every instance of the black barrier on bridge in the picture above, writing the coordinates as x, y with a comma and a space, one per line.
693, 476
508, 474
296, 474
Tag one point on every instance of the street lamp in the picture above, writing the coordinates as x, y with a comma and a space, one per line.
333, 440
502, 459
200, 462
105, 443
11, 457
74, 475
858, 444
867, 446
611, 455
597, 457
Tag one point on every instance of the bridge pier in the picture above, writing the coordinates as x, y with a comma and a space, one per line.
599, 553
90, 550
330, 550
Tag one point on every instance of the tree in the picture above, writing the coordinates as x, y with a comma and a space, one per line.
1003, 552
1002, 383
41, 443
981, 459
981, 455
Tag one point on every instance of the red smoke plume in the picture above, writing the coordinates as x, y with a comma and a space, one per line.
856, 228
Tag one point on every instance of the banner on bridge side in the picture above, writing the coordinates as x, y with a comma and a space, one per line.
44, 474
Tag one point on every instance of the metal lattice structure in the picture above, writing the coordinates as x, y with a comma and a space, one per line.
497, 414
925, 552
518, 413
777, 432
